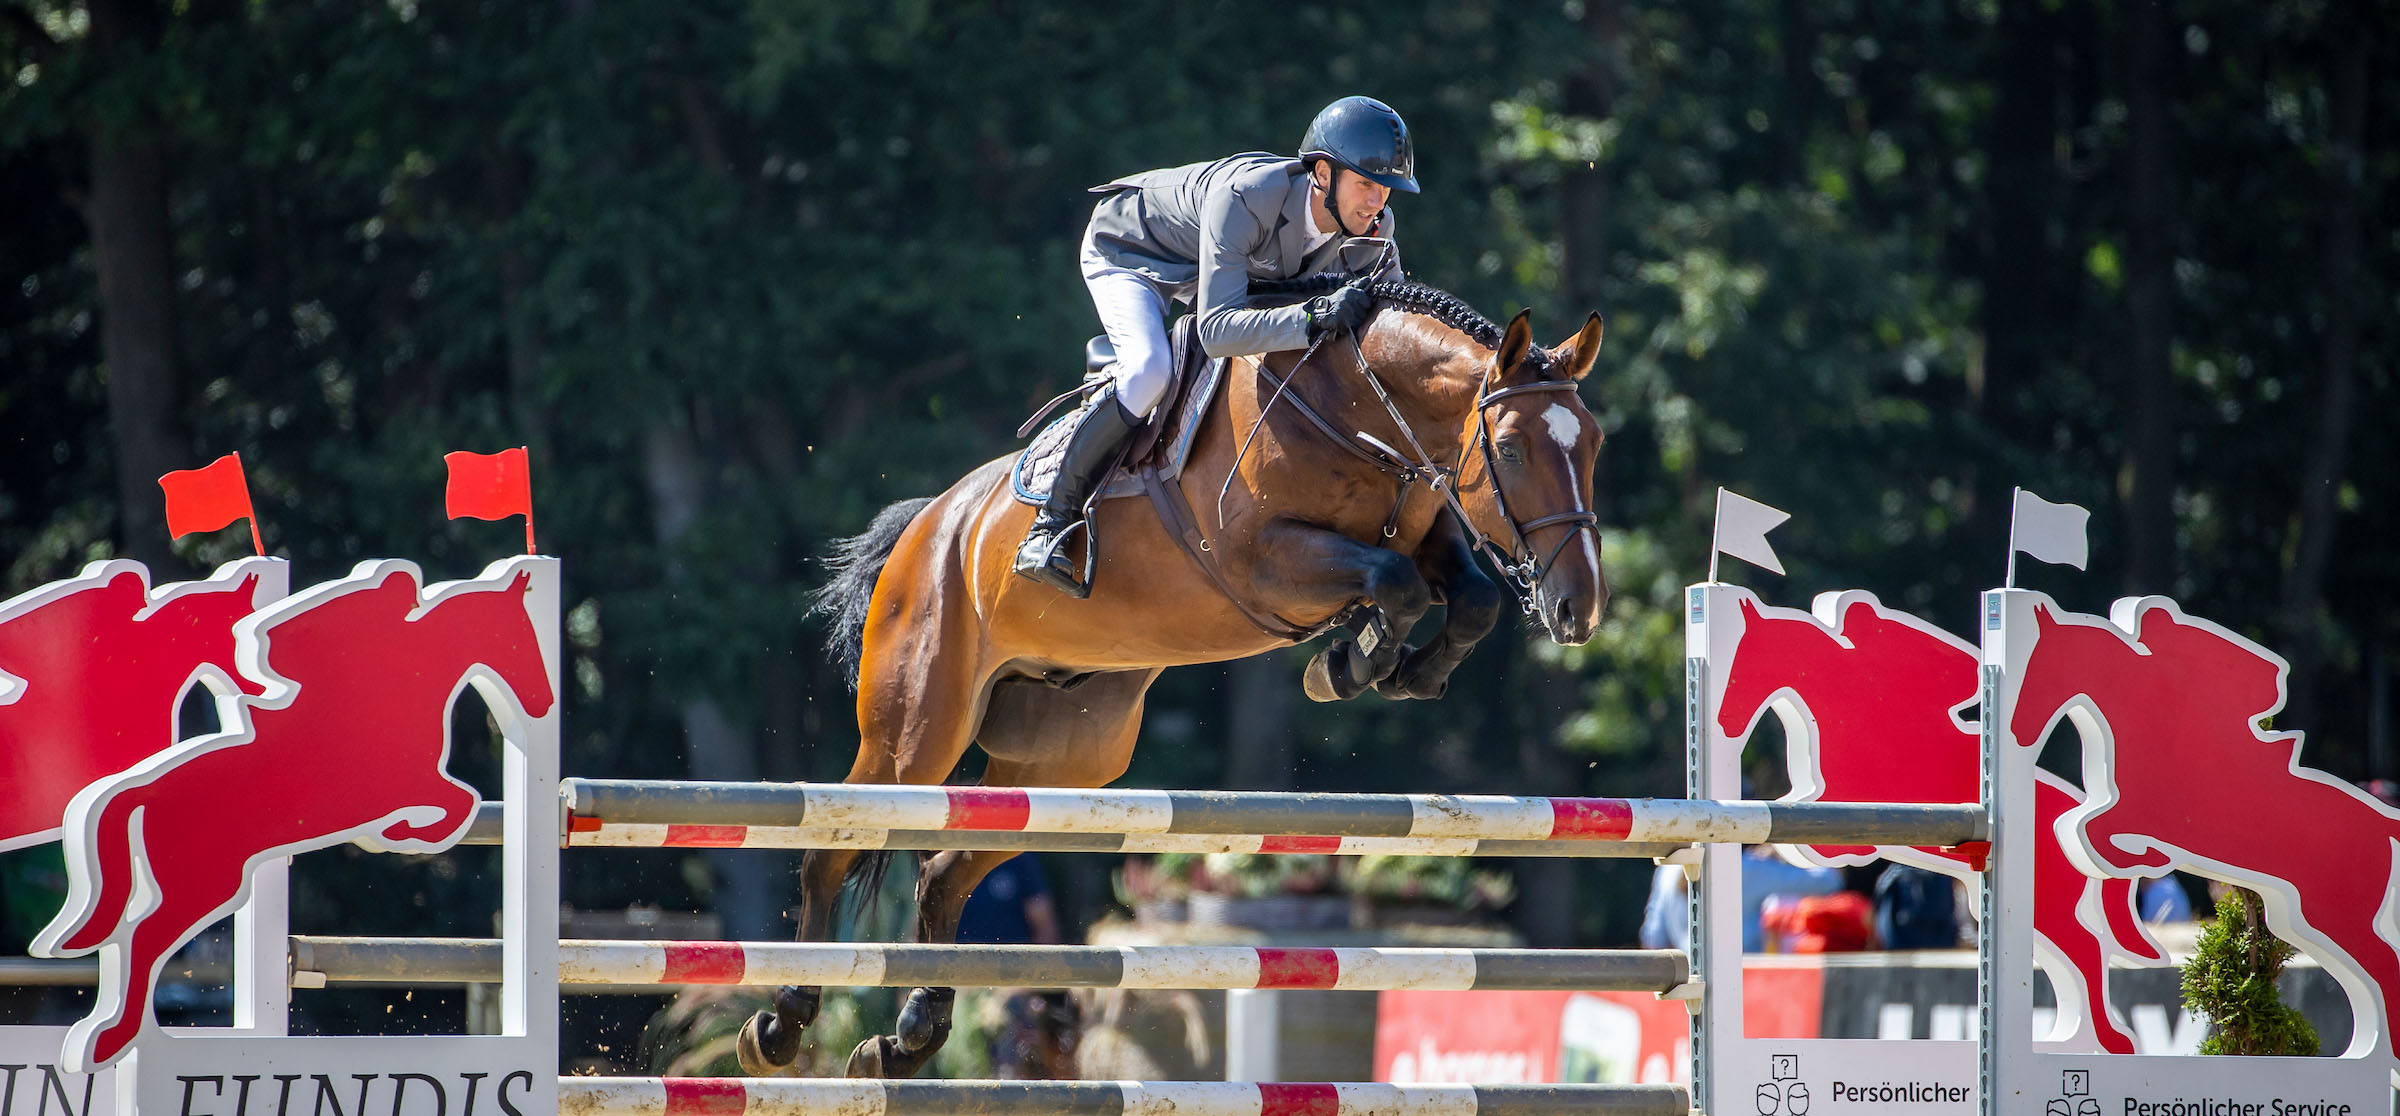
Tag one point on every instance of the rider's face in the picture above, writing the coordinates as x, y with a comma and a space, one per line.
1359, 200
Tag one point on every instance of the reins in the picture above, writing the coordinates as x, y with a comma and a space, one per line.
1526, 573
1519, 563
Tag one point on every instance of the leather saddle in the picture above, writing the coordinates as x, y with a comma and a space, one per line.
1163, 444
1152, 462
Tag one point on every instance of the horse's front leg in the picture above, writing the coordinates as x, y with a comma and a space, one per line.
1473, 602
1311, 566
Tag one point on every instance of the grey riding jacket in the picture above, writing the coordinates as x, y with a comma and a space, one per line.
1203, 231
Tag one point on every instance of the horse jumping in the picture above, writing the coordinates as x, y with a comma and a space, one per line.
1310, 521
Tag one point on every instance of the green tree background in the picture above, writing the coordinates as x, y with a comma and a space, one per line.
742, 273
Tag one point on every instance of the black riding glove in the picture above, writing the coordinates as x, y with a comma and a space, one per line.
1347, 308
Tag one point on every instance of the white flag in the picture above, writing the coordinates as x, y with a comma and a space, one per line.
1742, 526
2049, 532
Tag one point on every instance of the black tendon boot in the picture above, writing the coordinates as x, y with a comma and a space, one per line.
1090, 451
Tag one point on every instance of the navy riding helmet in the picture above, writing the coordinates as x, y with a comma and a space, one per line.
1365, 135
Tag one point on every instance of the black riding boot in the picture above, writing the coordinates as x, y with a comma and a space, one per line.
1090, 451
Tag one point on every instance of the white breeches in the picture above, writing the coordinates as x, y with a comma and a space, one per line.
1133, 311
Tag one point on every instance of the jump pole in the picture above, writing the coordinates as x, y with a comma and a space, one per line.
651, 1096
596, 833
316, 960
1136, 812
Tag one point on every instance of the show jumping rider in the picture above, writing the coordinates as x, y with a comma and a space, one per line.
1198, 234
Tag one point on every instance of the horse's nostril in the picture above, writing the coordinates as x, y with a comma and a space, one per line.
1562, 614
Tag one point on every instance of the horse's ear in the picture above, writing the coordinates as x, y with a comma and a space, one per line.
1575, 355
1514, 344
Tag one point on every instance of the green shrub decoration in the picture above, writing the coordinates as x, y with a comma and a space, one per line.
2230, 982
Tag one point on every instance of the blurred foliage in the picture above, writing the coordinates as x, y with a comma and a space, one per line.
1243, 875
741, 273
1441, 880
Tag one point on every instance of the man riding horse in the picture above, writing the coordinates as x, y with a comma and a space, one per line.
1198, 234
1456, 436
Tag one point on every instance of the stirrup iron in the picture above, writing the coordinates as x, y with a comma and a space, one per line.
1049, 569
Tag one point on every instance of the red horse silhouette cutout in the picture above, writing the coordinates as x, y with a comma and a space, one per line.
350, 742
93, 669
1873, 702
2182, 776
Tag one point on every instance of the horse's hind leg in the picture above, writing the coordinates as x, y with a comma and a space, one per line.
771, 1039
1038, 737
924, 1022
920, 694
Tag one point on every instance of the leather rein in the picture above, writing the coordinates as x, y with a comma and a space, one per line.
1518, 563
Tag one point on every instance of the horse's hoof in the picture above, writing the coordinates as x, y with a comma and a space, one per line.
883, 1056
764, 1048
925, 1020
871, 1057
1408, 681
1317, 681
1399, 688
1338, 673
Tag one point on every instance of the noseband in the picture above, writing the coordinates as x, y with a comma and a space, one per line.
1523, 569
1518, 565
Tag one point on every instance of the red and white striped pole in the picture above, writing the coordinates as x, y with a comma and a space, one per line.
638, 1096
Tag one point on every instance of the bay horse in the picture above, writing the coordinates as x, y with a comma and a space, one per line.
1352, 483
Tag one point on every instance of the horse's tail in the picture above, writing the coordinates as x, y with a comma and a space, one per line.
862, 884
856, 562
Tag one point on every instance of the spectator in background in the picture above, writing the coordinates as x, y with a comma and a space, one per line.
1013, 906
1766, 875
2164, 899
1667, 915
1666, 918
1916, 909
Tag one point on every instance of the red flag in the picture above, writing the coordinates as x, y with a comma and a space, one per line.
208, 498
491, 486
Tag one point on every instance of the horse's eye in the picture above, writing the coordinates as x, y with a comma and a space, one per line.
1512, 451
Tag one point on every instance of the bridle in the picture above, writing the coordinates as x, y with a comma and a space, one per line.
1518, 563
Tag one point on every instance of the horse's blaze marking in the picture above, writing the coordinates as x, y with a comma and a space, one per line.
1290, 1099
705, 1096
706, 836
1596, 819
1298, 968
1292, 844
577, 823
1003, 808
1563, 424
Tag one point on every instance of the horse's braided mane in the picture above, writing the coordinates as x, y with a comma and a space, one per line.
1433, 302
